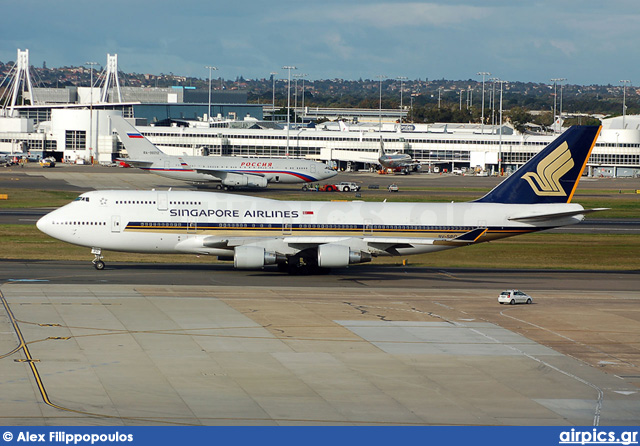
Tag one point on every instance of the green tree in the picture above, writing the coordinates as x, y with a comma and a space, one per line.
519, 116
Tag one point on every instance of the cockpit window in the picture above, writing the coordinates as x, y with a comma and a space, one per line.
82, 199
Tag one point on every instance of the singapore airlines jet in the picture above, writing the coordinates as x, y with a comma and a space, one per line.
229, 171
303, 237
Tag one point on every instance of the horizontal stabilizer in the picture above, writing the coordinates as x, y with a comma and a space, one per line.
554, 216
136, 163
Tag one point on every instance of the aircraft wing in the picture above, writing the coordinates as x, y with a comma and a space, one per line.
221, 174
388, 244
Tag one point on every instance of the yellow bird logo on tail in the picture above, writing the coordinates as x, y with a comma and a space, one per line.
549, 172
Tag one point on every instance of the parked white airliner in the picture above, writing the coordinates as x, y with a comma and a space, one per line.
302, 236
396, 160
229, 171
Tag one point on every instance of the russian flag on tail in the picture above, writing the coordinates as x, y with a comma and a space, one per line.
134, 135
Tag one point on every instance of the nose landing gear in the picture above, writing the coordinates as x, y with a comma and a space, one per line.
97, 261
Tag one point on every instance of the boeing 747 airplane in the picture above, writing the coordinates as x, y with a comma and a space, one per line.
304, 237
229, 171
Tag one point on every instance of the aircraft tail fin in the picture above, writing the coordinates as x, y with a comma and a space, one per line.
552, 175
138, 147
381, 151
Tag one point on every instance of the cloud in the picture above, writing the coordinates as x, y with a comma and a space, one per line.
388, 15
567, 47
336, 45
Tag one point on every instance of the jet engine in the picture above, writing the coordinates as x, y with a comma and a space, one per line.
335, 256
255, 257
236, 179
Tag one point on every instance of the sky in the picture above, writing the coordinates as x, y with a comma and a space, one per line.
585, 41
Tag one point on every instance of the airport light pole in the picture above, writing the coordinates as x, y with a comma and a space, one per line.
91, 64
303, 109
500, 139
439, 91
461, 91
380, 76
555, 98
295, 100
209, 109
295, 107
288, 68
561, 85
401, 79
483, 74
273, 96
555, 94
411, 108
624, 99
493, 106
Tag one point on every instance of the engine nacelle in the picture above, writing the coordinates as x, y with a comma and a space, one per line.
236, 179
254, 181
336, 256
254, 257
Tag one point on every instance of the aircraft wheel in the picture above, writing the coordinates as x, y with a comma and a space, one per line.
219, 186
99, 265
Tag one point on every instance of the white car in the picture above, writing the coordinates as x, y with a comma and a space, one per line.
514, 297
346, 187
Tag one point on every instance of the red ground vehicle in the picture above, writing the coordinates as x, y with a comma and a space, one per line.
320, 187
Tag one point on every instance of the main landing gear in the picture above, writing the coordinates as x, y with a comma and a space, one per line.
97, 261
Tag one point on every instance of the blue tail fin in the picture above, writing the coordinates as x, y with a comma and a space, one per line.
553, 174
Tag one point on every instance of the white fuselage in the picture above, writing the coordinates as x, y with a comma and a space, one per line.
393, 161
215, 223
274, 170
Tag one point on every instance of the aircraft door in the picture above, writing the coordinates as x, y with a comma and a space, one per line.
287, 227
115, 223
163, 201
367, 228
312, 169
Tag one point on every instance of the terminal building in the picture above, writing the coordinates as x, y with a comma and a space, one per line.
73, 125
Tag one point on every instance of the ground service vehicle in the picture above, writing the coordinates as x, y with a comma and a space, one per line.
346, 186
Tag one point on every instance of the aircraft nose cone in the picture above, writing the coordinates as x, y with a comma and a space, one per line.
43, 224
